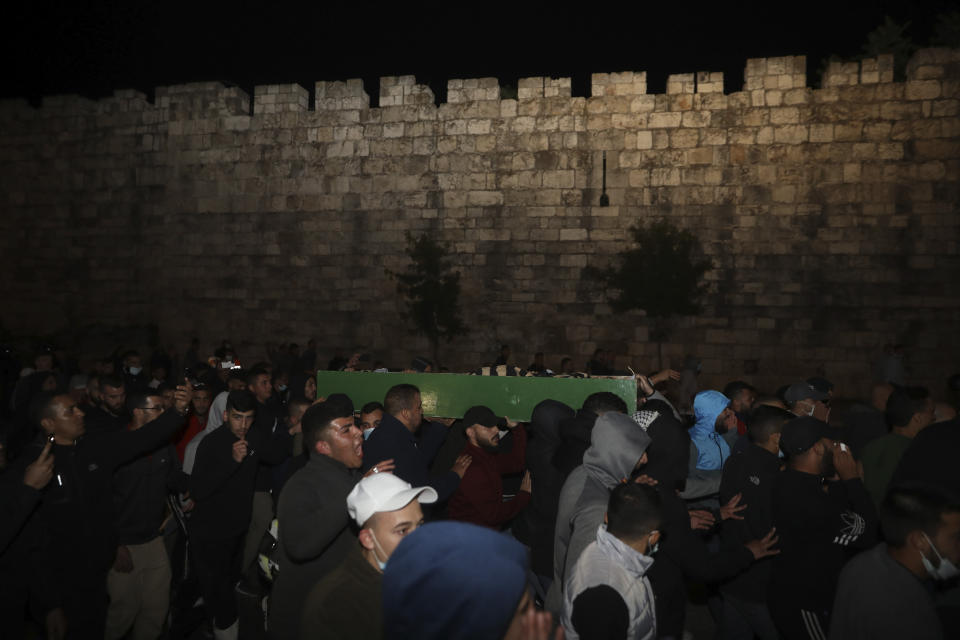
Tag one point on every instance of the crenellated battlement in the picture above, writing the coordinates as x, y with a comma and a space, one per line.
541, 87
767, 82
830, 213
472, 90
869, 71
202, 100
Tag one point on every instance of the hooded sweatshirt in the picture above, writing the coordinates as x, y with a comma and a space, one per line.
534, 526
712, 449
616, 445
214, 419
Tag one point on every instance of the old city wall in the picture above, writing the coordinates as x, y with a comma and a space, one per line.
830, 214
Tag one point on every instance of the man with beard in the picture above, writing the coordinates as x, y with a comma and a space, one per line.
479, 498
110, 414
742, 398
820, 522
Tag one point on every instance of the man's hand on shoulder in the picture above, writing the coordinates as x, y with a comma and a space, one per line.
460, 466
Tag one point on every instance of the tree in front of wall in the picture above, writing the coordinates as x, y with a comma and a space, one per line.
431, 291
661, 273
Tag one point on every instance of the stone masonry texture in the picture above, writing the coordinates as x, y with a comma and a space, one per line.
830, 214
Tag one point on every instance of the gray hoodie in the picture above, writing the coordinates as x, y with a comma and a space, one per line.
214, 419
616, 445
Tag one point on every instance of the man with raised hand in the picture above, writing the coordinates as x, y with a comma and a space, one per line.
479, 498
821, 511
75, 523
139, 581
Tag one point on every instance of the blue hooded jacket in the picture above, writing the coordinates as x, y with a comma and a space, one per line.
712, 449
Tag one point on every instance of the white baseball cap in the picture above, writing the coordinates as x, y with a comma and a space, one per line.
384, 492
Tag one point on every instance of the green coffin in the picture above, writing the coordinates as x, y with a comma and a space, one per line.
449, 395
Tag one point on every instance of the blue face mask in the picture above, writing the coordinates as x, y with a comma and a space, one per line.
281, 387
367, 432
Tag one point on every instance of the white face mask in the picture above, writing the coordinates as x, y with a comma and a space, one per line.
134, 371
281, 387
652, 547
376, 545
944, 571
367, 432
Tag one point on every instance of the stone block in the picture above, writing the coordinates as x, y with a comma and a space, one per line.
684, 138
922, 90
573, 234
791, 134
664, 120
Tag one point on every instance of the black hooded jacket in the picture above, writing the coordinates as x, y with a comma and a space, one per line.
535, 525
574, 441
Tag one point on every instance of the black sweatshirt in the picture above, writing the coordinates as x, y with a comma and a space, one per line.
269, 422
140, 490
752, 473
223, 488
684, 553
819, 530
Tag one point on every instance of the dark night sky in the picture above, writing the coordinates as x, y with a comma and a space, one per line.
93, 47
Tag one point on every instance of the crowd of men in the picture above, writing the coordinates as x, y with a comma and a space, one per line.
154, 502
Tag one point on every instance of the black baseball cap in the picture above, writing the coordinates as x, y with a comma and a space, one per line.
820, 384
483, 416
801, 391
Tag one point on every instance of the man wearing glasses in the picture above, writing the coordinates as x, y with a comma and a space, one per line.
139, 582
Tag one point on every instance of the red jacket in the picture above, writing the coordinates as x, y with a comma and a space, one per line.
479, 498
182, 439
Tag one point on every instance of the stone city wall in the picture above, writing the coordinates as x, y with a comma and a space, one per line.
830, 214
